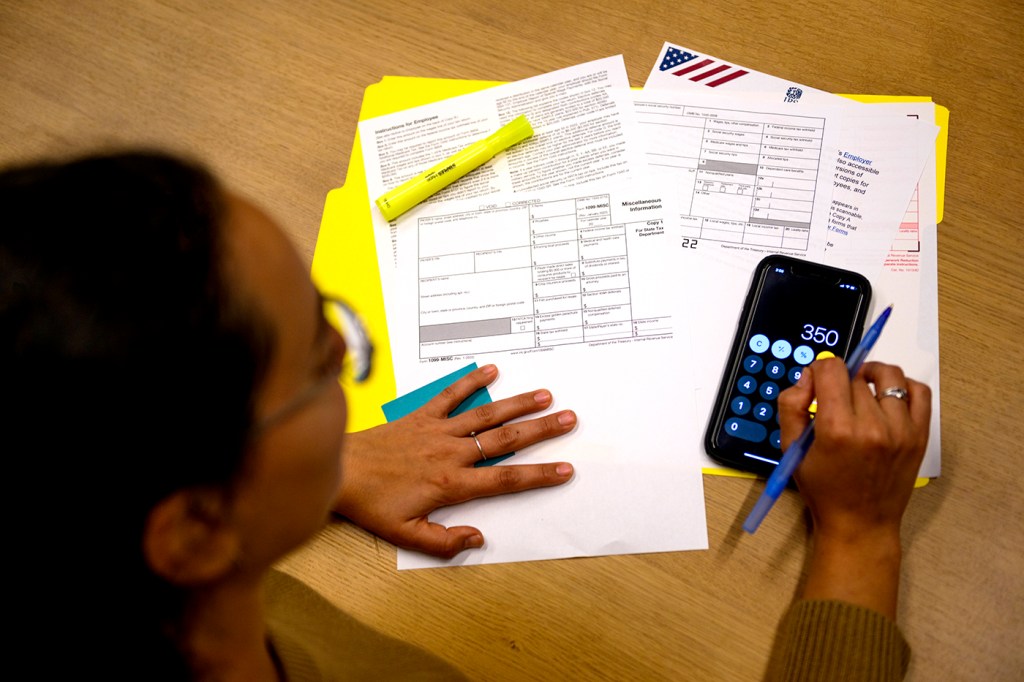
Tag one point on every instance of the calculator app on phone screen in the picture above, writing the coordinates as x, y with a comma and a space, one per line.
795, 312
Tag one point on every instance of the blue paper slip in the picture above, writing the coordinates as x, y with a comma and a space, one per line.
413, 400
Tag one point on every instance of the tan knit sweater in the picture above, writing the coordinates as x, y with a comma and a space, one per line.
816, 640
838, 642
314, 641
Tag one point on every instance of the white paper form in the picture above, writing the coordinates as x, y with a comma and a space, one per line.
909, 281
866, 135
571, 290
908, 276
682, 68
910, 339
753, 178
584, 131
884, 149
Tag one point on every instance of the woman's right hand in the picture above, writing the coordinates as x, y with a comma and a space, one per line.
858, 475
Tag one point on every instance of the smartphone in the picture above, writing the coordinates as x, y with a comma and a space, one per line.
795, 312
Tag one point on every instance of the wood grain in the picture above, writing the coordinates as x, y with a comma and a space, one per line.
268, 93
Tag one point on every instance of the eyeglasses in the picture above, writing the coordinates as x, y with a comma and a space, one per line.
355, 365
358, 360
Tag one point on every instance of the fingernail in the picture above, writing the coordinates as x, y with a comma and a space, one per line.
474, 542
489, 370
542, 397
567, 418
563, 469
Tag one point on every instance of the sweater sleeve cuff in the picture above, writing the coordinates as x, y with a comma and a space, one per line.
835, 640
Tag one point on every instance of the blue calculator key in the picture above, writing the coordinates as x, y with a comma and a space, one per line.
759, 343
745, 429
763, 412
776, 439
781, 349
746, 385
769, 390
740, 405
753, 363
804, 355
775, 370
795, 374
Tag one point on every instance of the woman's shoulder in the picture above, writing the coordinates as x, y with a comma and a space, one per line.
314, 640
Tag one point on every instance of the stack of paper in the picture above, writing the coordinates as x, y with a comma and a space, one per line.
584, 260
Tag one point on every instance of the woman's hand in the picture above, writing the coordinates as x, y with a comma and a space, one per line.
396, 474
858, 476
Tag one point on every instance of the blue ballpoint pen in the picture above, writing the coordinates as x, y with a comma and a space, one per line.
797, 450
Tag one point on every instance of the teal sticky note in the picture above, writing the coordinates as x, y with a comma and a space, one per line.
417, 398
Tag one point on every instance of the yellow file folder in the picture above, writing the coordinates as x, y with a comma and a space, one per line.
345, 259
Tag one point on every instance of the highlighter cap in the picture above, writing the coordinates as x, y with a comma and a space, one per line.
516, 130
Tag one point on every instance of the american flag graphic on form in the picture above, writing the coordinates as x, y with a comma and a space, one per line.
699, 69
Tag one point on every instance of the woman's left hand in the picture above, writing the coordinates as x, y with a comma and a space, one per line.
396, 474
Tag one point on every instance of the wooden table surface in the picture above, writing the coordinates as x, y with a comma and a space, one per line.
269, 93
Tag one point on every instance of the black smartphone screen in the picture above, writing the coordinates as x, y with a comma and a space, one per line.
795, 312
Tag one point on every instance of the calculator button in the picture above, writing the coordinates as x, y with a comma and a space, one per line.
781, 349
769, 390
803, 354
745, 429
753, 363
825, 354
763, 412
759, 343
795, 374
776, 439
775, 370
740, 405
746, 385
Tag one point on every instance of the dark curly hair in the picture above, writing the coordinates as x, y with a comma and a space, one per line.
128, 367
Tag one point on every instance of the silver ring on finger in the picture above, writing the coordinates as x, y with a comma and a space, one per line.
479, 447
894, 392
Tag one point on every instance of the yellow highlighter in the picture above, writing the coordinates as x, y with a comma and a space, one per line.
399, 200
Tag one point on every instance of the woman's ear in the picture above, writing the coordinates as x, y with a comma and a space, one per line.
189, 539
